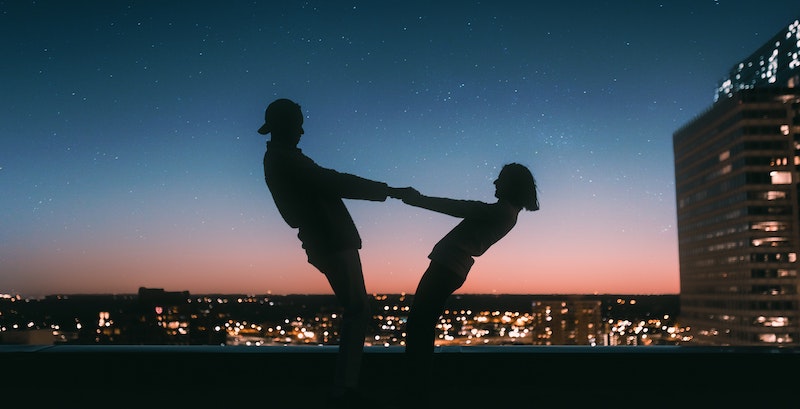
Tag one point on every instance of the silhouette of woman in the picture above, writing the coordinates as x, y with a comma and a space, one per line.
452, 257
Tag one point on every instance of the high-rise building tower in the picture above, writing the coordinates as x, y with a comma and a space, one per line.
737, 192
736, 181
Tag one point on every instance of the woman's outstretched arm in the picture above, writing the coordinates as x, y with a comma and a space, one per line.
452, 207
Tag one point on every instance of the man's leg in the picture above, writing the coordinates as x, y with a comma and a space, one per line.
343, 271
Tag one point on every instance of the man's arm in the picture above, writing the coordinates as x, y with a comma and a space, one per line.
340, 184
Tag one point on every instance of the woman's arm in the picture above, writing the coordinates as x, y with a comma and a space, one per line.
452, 207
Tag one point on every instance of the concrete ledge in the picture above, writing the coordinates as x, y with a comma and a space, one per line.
298, 376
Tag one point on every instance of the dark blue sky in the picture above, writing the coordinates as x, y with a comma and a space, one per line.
129, 154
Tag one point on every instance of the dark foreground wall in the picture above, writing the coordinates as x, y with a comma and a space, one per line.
468, 377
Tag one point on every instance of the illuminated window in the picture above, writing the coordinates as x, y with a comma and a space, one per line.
775, 338
780, 177
773, 321
770, 242
779, 162
775, 195
769, 226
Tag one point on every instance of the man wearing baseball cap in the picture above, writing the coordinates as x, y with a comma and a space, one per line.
309, 198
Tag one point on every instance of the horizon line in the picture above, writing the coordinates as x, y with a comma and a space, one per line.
331, 294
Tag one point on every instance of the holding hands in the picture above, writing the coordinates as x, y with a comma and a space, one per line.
403, 193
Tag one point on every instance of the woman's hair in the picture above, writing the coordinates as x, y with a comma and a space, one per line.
523, 186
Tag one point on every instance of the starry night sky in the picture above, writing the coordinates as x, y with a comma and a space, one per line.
129, 155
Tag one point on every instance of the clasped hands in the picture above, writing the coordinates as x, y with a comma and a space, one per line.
403, 193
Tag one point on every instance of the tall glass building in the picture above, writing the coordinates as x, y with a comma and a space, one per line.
738, 204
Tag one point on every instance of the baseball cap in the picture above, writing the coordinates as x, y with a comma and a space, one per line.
281, 114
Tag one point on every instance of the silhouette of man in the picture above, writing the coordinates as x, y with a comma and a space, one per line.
309, 198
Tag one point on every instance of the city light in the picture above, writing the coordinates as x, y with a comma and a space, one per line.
201, 319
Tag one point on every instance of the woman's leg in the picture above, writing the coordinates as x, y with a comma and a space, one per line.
435, 286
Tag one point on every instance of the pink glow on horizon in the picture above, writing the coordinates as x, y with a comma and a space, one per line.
280, 267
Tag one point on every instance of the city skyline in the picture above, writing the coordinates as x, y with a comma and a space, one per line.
131, 158
303, 319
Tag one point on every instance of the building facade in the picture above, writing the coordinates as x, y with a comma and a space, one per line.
736, 181
566, 322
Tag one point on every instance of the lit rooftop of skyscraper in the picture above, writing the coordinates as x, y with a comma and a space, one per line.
776, 63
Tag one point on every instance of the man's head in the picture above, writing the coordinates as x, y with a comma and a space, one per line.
283, 117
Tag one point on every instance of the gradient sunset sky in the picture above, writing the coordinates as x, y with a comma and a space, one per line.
129, 155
